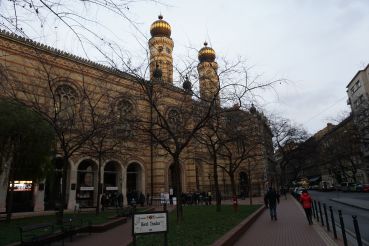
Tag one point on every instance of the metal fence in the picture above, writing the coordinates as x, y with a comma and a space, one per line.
326, 217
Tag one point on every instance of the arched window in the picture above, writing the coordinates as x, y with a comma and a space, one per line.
66, 101
125, 118
174, 118
125, 109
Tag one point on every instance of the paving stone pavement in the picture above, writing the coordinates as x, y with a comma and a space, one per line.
290, 229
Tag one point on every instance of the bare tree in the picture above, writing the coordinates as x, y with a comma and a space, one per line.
241, 145
340, 151
209, 137
109, 121
174, 124
286, 137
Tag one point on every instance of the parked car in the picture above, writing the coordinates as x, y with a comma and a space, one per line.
297, 192
365, 188
347, 186
358, 187
326, 186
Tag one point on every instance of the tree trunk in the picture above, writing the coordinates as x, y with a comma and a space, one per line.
283, 176
250, 187
9, 207
63, 202
99, 186
216, 183
9, 204
177, 175
233, 184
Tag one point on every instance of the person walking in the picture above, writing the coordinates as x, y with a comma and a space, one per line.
103, 202
306, 202
271, 199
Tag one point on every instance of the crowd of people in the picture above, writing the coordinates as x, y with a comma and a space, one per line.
111, 199
197, 198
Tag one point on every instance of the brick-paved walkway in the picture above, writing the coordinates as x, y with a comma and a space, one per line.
291, 228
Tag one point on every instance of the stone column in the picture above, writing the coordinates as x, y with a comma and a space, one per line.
123, 184
38, 197
4, 187
71, 194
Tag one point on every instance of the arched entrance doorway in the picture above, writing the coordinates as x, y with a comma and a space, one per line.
112, 183
53, 185
86, 183
244, 184
134, 181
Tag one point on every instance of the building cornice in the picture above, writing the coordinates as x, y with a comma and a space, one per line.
363, 70
63, 54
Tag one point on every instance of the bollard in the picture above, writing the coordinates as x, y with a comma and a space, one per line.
326, 216
342, 228
321, 214
333, 222
316, 210
357, 231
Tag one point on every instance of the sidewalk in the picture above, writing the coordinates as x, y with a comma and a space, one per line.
291, 228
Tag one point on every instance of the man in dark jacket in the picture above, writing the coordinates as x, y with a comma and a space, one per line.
271, 199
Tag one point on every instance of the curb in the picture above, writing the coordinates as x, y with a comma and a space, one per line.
349, 204
231, 237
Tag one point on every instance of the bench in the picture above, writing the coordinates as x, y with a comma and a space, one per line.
3, 216
37, 234
73, 225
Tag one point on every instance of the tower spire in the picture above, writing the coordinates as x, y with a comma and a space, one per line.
208, 69
161, 48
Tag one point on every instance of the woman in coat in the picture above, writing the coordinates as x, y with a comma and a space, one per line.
306, 202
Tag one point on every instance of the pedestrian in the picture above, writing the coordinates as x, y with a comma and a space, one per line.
103, 201
284, 192
271, 199
148, 199
306, 202
141, 199
120, 199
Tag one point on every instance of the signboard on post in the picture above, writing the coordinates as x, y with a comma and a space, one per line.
153, 222
150, 222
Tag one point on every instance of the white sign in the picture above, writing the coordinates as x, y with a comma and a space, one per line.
86, 188
174, 200
164, 198
111, 188
149, 223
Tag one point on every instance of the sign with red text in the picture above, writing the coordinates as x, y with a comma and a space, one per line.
150, 222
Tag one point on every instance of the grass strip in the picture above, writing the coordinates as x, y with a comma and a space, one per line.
202, 225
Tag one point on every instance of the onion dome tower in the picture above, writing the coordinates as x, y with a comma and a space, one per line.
161, 48
207, 69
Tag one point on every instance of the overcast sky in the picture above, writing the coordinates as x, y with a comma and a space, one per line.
317, 46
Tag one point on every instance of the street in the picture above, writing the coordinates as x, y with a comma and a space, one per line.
347, 212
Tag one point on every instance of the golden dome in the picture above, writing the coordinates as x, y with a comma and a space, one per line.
160, 28
206, 54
